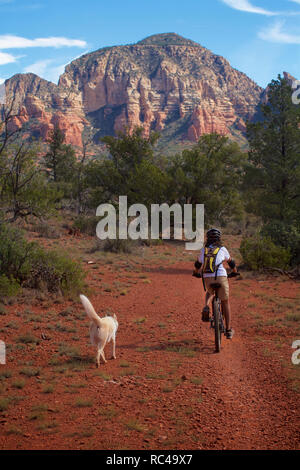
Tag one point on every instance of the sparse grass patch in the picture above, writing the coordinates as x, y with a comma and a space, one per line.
28, 338
293, 317
19, 384
143, 349
103, 375
36, 416
109, 411
251, 305
134, 425
47, 389
30, 371
14, 430
126, 372
5, 374
46, 426
82, 403
124, 364
69, 351
4, 403
197, 380
2, 310
140, 320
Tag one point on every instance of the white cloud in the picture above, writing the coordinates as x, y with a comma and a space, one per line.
48, 68
6, 58
17, 42
276, 34
245, 5
2, 80
39, 67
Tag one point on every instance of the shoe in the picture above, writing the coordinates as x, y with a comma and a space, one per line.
229, 333
205, 314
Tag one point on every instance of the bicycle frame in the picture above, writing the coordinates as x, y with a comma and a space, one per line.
217, 320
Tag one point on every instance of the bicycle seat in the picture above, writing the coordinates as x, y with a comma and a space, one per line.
215, 285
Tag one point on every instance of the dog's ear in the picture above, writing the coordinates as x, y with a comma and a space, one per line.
115, 316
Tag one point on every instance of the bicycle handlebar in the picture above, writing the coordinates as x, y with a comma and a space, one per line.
230, 275
233, 274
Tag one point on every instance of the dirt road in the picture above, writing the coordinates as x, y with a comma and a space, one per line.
167, 389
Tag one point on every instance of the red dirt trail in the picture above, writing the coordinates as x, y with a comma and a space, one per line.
167, 389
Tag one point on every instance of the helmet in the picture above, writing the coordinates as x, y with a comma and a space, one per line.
213, 234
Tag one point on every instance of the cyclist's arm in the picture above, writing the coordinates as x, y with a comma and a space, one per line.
197, 266
232, 265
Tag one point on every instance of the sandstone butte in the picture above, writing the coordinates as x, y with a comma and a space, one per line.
164, 83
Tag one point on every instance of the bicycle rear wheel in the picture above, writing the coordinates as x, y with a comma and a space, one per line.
217, 313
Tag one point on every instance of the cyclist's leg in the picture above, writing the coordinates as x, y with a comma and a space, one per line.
227, 313
224, 297
208, 298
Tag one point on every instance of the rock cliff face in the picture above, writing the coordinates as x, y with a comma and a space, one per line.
165, 83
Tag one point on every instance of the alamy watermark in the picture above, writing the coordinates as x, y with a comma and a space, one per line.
296, 354
2, 352
296, 94
146, 226
2, 94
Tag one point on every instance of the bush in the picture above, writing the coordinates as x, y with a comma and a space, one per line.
118, 246
284, 235
261, 253
15, 254
55, 272
8, 287
45, 230
86, 224
27, 264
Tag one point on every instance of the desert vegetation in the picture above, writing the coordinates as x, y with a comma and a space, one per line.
158, 394
39, 180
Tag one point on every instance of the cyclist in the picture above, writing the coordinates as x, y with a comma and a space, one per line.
210, 266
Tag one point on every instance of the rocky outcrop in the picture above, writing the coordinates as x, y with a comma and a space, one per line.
40, 105
165, 83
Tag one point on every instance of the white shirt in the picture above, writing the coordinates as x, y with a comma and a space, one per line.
223, 255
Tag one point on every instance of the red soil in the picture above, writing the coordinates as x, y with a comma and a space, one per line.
167, 389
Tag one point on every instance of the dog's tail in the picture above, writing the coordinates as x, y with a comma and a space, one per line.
90, 311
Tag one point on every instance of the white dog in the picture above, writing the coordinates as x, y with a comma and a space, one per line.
102, 330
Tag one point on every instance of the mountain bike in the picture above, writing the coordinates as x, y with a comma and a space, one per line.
217, 322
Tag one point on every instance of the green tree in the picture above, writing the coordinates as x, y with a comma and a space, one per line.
24, 188
128, 149
129, 169
60, 159
273, 172
209, 173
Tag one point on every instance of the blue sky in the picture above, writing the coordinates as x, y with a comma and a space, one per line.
258, 37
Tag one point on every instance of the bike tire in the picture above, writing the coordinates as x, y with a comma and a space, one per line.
216, 313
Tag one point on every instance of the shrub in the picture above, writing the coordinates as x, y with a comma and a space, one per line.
86, 224
45, 230
118, 246
4, 402
8, 287
15, 254
27, 264
30, 371
56, 272
261, 253
284, 235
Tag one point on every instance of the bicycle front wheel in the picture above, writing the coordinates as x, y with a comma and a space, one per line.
217, 313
